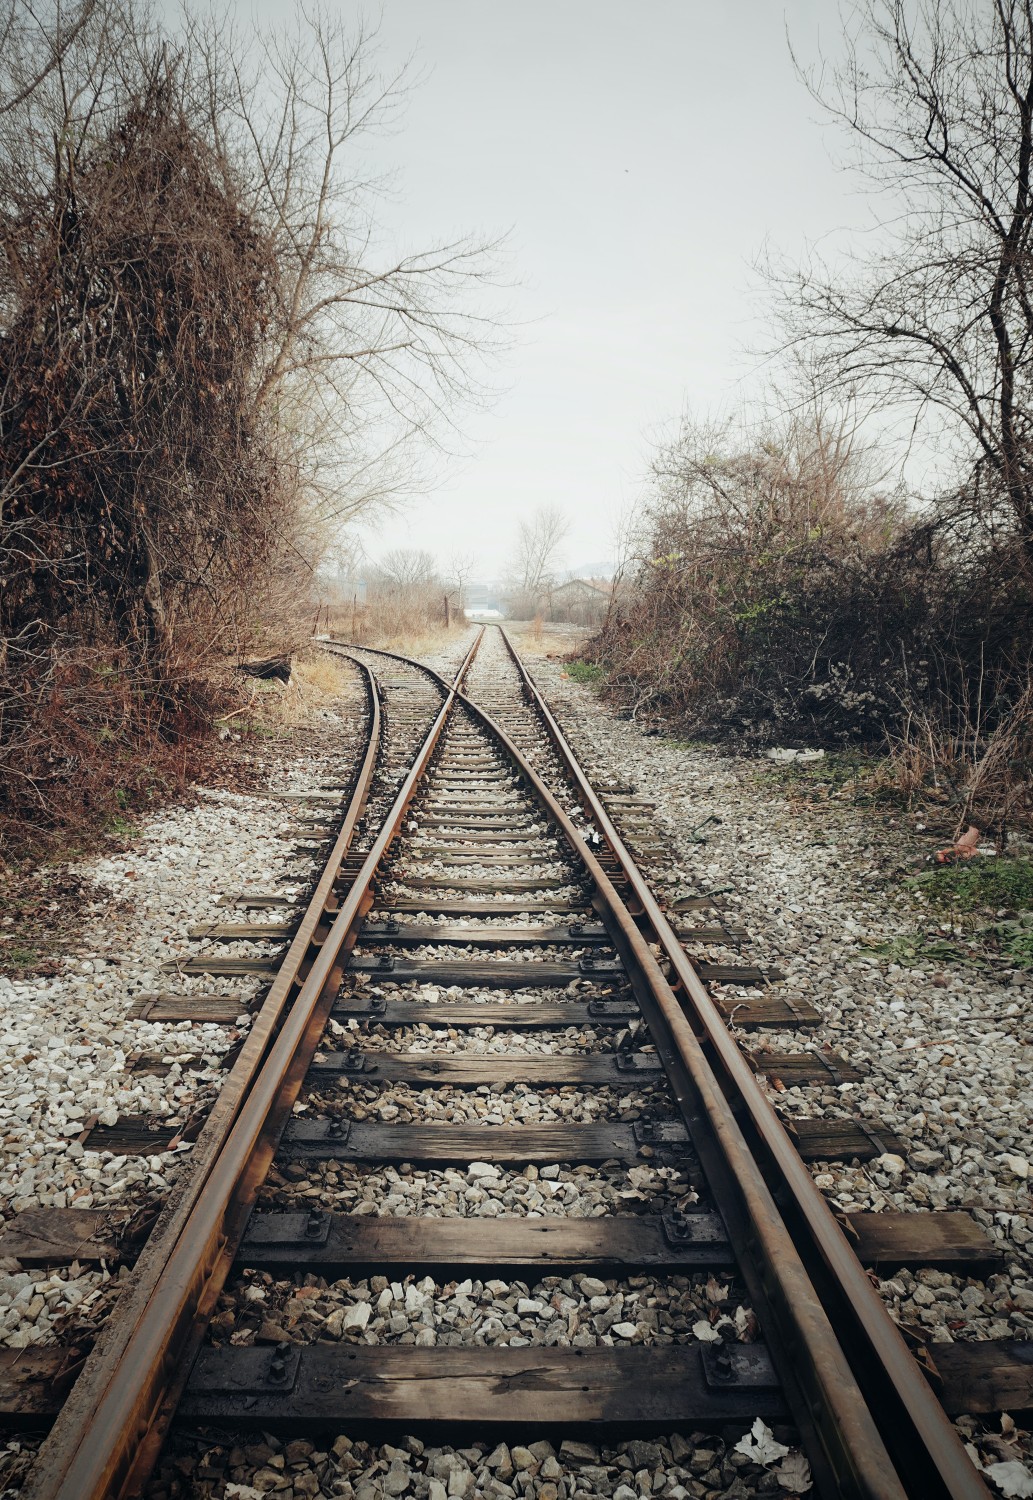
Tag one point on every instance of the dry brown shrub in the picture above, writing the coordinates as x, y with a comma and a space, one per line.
984, 767
99, 742
411, 626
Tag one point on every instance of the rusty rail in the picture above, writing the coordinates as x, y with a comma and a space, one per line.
845, 1421
873, 1425
925, 1447
109, 1432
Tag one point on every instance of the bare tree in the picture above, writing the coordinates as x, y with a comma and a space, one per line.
536, 557
209, 355
375, 345
461, 567
937, 100
157, 442
407, 568
136, 289
34, 40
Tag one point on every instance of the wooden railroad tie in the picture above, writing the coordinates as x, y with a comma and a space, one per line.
499, 825
782, 1011
512, 885
817, 1066
506, 973
450, 1144
512, 854
471, 1070
648, 1388
360, 1140
622, 1244
519, 1016
415, 934
219, 1010
451, 907
258, 900
212, 963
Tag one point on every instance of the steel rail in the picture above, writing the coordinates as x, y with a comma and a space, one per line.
839, 1431
920, 1437
348, 648
836, 1421
109, 1433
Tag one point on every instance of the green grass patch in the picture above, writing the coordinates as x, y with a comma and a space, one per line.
979, 885
1007, 943
970, 893
22, 956
590, 673
257, 730
849, 773
1015, 939
37, 908
920, 948
121, 828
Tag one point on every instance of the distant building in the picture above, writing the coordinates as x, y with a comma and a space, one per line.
580, 601
482, 596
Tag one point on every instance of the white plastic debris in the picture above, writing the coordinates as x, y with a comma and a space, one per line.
785, 754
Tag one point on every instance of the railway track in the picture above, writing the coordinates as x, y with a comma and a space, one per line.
490, 1164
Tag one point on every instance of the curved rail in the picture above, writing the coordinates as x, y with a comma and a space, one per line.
923, 1442
109, 1432
845, 1421
871, 1422
839, 1431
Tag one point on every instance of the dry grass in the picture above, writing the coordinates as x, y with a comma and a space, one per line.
538, 638
415, 641
273, 708
90, 742
985, 773
412, 628
320, 674
394, 624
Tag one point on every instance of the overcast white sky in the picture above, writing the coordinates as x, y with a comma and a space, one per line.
639, 156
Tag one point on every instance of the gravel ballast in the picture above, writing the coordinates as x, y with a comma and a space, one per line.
947, 1069
68, 1038
945, 1049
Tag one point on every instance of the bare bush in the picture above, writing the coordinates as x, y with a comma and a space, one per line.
461, 568
370, 348
728, 527
779, 595
406, 601
404, 569
972, 742
134, 479
206, 358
